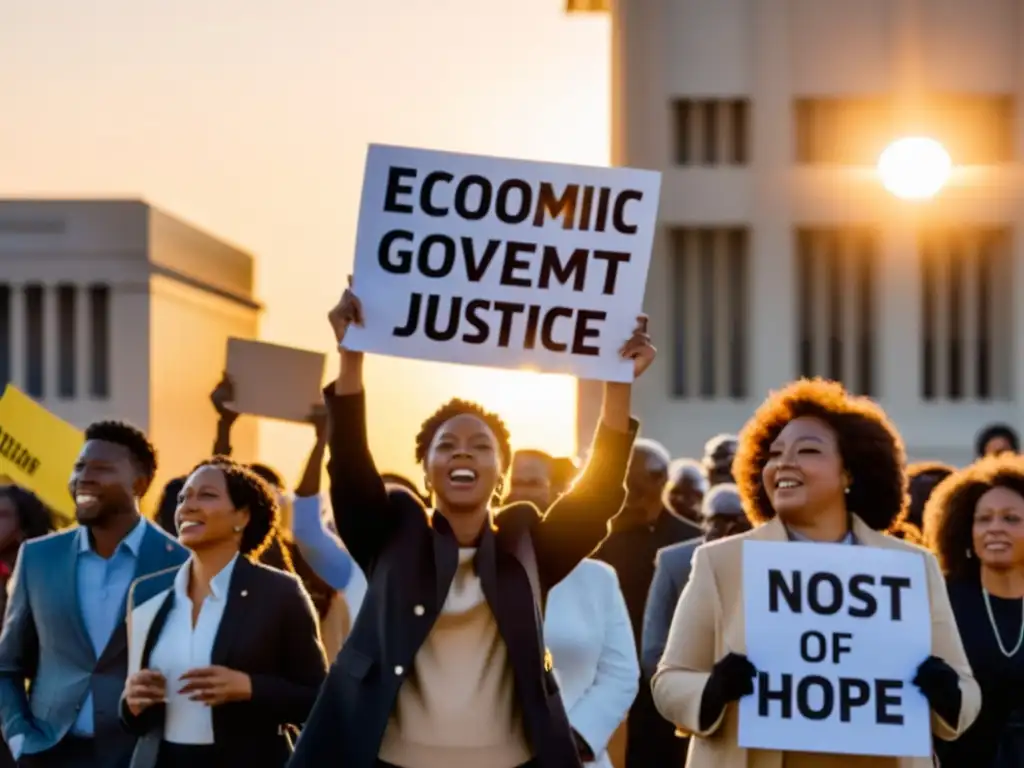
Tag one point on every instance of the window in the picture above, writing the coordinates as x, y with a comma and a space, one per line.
66, 297
5, 335
34, 341
966, 320
710, 269
712, 131
975, 129
837, 271
99, 328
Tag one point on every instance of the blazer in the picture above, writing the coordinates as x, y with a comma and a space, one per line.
269, 631
709, 623
587, 630
671, 572
410, 557
44, 642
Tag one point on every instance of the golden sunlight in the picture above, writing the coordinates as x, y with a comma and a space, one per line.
914, 168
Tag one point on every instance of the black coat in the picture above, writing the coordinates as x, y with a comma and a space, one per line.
410, 557
269, 631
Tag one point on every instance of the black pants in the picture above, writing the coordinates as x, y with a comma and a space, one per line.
70, 752
186, 756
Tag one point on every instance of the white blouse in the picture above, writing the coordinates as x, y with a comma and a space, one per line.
182, 647
587, 630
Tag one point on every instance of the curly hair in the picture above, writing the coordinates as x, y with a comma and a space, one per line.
906, 530
132, 438
35, 519
457, 407
247, 490
273, 479
164, 515
922, 478
949, 513
871, 450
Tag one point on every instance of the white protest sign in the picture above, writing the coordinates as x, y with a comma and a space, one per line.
836, 633
505, 263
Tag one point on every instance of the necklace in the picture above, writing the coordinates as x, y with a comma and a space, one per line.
995, 627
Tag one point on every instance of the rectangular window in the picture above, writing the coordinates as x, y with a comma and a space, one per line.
66, 297
34, 341
712, 131
99, 327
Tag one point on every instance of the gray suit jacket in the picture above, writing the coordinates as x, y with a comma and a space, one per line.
44, 643
671, 572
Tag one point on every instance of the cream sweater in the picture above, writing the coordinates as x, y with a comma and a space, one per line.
457, 708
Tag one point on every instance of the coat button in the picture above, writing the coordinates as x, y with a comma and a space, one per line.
419, 610
399, 670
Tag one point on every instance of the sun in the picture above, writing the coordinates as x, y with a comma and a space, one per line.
914, 168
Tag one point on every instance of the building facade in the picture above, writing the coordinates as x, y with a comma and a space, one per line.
779, 253
116, 310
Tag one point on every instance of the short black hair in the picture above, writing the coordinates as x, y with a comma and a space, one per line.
922, 477
869, 445
132, 438
248, 490
168, 505
949, 513
268, 474
456, 407
991, 432
35, 519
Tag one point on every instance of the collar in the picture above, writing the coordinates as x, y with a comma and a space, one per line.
131, 542
849, 538
219, 584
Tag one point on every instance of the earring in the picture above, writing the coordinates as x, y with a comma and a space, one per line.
970, 553
237, 529
846, 490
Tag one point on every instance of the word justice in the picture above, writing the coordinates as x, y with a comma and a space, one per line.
436, 256
512, 201
558, 329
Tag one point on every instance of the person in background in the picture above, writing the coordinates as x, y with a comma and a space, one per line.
922, 478
586, 625
65, 631
719, 453
685, 489
446, 665
996, 439
974, 522
815, 464
229, 658
164, 516
723, 516
643, 527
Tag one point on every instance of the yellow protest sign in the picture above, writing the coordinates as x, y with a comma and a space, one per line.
38, 449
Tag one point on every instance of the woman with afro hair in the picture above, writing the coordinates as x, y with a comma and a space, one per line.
814, 464
226, 662
974, 522
446, 665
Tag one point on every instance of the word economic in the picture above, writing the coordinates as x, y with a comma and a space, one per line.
518, 263
818, 697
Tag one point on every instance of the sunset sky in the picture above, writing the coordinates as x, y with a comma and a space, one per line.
250, 118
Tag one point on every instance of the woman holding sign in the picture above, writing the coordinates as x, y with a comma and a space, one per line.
446, 665
814, 465
974, 521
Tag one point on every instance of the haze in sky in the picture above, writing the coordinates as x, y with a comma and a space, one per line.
250, 119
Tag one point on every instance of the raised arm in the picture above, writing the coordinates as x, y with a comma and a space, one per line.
223, 397
578, 521
322, 550
19, 653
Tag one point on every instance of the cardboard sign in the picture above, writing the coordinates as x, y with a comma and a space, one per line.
38, 449
836, 633
273, 381
504, 263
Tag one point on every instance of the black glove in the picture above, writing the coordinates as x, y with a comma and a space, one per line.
731, 679
940, 684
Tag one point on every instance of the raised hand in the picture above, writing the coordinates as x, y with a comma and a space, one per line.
223, 397
347, 311
639, 348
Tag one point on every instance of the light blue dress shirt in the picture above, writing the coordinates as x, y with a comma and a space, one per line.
102, 587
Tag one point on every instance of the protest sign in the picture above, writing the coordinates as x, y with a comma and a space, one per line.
38, 449
505, 263
836, 633
274, 381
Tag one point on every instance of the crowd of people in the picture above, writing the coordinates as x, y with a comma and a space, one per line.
514, 612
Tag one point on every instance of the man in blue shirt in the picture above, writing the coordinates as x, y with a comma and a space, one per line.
64, 631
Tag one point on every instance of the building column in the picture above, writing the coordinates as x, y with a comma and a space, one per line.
771, 289
18, 335
1016, 373
51, 342
83, 342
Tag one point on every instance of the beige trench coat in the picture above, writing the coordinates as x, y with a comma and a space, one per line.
708, 624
